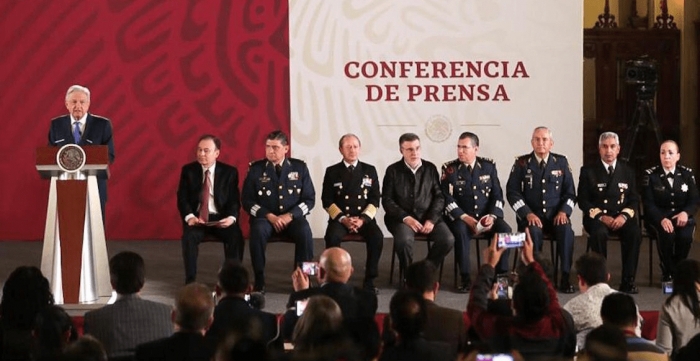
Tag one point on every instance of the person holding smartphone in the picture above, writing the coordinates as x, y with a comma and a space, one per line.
538, 326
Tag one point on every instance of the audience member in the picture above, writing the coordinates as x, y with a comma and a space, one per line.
242, 348
25, 293
131, 320
234, 314
193, 314
690, 351
335, 267
679, 319
538, 325
443, 324
86, 348
320, 335
605, 343
619, 310
53, 331
408, 317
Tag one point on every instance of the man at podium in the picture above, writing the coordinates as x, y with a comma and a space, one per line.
81, 128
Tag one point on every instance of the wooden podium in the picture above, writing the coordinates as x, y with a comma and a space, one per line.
74, 257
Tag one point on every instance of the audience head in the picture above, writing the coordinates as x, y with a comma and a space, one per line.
606, 343
241, 348
530, 297
619, 310
686, 283
127, 272
335, 265
86, 348
407, 310
422, 277
233, 279
592, 270
194, 308
321, 321
25, 293
53, 331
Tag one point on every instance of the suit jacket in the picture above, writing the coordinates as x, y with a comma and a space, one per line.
226, 194
544, 192
353, 193
445, 325
234, 313
98, 131
661, 200
600, 194
128, 322
406, 194
181, 346
476, 194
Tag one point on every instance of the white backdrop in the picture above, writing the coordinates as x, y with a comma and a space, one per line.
529, 53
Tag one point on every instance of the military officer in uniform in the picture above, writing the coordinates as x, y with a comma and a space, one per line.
278, 194
351, 197
607, 195
541, 191
670, 201
474, 202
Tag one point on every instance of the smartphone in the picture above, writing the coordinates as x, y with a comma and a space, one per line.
494, 357
511, 240
247, 297
667, 287
503, 284
309, 268
301, 306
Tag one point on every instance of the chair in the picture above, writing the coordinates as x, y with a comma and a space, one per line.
208, 237
417, 237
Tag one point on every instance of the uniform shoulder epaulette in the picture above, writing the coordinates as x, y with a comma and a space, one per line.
487, 160
556, 155
450, 163
256, 162
690, 170
651, 170
522, 159
295, 160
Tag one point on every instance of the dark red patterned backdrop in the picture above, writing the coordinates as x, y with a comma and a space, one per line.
163, 71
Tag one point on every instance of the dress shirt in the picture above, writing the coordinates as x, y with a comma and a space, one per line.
211, 205
420, 163
81, 121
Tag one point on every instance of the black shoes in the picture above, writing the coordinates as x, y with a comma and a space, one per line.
565, 286
628, 287
259, 287
368, 285
466, 285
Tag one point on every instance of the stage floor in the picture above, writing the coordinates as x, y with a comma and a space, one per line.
164, 269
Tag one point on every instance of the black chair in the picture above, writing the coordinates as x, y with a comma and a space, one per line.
417, 238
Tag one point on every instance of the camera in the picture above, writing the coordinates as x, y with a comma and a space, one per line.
667, 287
503, 283
301, 306
494, 357
511, 240
309, 268
641, 71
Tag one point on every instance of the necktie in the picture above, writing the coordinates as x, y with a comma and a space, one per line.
542, 165
669, 179
469, 168
204, 204
76, 132
610, 170
278, 169
351, 168
669, 175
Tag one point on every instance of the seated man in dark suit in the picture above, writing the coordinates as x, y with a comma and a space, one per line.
209, 203
131, 320
234, 314
193, 314
443, 324
82, 128
335, 267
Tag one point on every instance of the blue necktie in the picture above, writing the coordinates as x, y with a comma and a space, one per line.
76, 132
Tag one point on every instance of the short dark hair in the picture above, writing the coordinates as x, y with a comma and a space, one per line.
194, 305
421, 276
531, 296
407, 309
278, 135
606, 343
408, 137
233, 277
213, 138
86, 348
127, 272
472, 136
592, 268
619, 310
25, 292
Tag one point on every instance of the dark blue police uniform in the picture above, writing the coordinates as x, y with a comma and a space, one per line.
265, 192
477, 193
545, 191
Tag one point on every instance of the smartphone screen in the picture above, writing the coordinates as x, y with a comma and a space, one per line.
511, 240
503, 283
301, 306
309, 268
494, 357
667, 287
